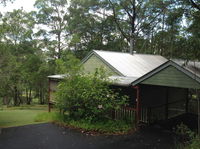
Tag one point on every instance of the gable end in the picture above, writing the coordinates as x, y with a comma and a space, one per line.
93, 62
171, 76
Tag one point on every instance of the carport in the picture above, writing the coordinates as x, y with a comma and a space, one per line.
164, 92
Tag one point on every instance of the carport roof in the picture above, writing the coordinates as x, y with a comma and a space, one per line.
189, 69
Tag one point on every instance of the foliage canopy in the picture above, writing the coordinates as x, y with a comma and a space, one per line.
88, 96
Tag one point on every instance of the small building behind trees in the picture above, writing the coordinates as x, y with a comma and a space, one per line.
159, 89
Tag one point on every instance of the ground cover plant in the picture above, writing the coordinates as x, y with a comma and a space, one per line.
187, 138
108, 126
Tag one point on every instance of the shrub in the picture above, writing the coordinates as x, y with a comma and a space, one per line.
195, 143
109, 126
184, 133
88, 96
187, 138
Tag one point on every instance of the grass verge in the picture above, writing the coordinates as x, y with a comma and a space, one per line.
19, 116
34, 114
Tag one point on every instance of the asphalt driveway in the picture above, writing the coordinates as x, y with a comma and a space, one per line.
49, 136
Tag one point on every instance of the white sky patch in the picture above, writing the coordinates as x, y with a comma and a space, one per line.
27, 5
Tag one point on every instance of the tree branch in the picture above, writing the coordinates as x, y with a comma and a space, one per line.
116, 21
194, 4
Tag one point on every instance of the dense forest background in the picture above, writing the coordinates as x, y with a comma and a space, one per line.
31, 43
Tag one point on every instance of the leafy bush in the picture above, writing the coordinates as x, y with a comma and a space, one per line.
195, 143
187, 138
184, 133
109, 126
88, 96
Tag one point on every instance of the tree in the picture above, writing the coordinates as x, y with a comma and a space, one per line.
29, 66
52, 15
4, 2
133, 17
18, 26
68, 64
7, 63
195, 4
90, 28
17, 35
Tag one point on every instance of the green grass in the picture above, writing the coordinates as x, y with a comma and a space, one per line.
49, 117
19, 116
34, 114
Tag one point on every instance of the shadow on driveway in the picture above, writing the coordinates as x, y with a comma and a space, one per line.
49, 136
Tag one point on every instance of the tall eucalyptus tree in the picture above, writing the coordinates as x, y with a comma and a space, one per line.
52, 18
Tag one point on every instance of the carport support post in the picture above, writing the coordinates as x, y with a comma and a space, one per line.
198, 98
166, 103
49, 90
137, 104
187, 101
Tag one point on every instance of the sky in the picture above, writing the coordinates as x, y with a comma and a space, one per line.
17, 4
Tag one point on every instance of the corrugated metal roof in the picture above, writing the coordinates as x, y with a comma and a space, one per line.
135, 65
115, 80
122, 81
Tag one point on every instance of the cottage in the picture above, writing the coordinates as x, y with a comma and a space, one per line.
158, 88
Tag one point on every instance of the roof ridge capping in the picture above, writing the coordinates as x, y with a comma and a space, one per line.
121, 52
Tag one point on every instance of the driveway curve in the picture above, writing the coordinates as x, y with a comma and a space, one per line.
50, 136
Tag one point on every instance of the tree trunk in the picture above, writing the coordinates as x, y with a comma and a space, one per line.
26, 90
59, 45
6, 100
41, 97
132, 36
19, 94
29, 97
131, 45
15, 96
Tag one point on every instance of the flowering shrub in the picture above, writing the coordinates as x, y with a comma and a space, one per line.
88, 96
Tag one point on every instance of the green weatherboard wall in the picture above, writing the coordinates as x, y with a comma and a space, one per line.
171, 76
94, 62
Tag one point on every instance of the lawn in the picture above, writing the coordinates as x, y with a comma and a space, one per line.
34, 114
19, 116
